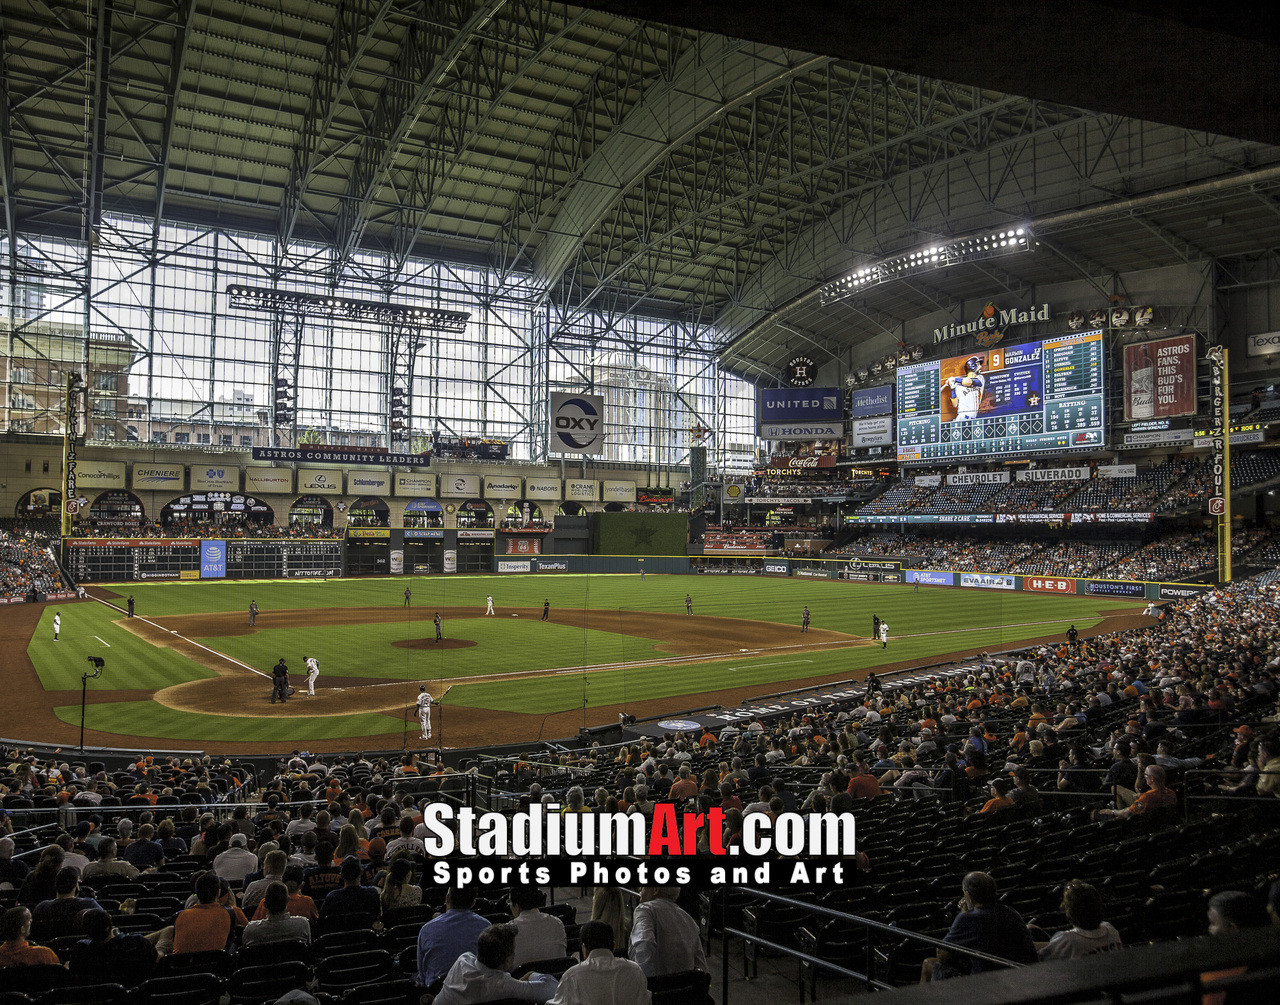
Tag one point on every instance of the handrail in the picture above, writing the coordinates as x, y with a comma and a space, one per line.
868, 923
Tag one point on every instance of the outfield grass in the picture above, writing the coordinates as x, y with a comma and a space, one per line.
923, 626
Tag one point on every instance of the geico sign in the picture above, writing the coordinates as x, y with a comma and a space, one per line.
1042, 584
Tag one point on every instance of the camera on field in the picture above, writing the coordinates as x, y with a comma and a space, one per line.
97, 661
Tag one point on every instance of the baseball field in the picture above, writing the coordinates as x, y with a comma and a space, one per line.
188, 671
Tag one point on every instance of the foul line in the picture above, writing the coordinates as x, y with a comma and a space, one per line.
103, 641
147, 621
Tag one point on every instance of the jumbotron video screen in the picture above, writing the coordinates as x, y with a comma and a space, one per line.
1013, 399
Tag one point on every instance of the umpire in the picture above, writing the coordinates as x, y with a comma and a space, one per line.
280, 682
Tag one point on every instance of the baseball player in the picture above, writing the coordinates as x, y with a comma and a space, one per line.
688, 604
424, 711
437, 620
804, 621
967, 390
130, 605
57, 624
313, 671
489, 601
253, 612
884, 635
407, 594
546, 609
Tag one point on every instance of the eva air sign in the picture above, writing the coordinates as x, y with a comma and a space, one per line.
577, 423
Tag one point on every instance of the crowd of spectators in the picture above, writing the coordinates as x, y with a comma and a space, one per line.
229, 526
27, 563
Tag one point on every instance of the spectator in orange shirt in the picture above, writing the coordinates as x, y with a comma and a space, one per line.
299, 905
707, 739
999, 797
15, 950
863, 785
1157, 797
685, 786
207, 926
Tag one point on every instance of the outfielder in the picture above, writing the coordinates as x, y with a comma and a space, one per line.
967, 390
424, 711
407, 594
57, 624
313, 671
489, 609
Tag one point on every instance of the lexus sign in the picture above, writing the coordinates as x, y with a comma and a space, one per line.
577, 423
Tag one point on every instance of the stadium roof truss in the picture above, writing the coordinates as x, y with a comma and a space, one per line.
606, 166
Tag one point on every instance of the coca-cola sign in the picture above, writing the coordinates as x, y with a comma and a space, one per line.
798, 463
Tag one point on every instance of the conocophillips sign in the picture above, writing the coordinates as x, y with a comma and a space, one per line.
576, 423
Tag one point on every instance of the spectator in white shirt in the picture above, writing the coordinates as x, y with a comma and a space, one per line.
601, 978
538, 936
664, 939
273, 867
483, 976
303, 824
236, 862
279, 925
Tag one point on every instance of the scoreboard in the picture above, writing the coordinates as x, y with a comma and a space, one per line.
1036, 396
119, 559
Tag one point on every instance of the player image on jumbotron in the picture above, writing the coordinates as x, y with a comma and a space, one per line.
965, 391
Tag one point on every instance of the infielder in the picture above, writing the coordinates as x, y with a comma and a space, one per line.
424, 711
253, 612
489, 601
688, 604
967, 391
313, 671
804, 621
57, 624
546, 609
884, 635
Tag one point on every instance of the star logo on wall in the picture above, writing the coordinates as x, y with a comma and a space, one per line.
642, 534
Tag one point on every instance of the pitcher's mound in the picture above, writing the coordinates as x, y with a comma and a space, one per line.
433, 644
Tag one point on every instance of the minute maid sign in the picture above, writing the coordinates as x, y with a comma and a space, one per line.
988, 328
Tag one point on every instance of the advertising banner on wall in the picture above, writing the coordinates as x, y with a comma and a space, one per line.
368, 483
1117, 471
871, 401
1048, 584
1113, 588
213, 559
581, 490
99, 474
985, 581
977, 478
619, 491
459, 486
542, 488
523, 546
158, 477
877, 432
927, 481
801, 404
321, 481
414, 484
211, 478
930, 578
576, 423
506, 565
1264, 344
1160, 378
502, 487
262, 481
1052, 474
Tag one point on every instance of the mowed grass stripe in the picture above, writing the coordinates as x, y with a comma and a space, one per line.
146, 718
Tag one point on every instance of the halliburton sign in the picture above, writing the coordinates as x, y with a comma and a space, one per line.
1048, 584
